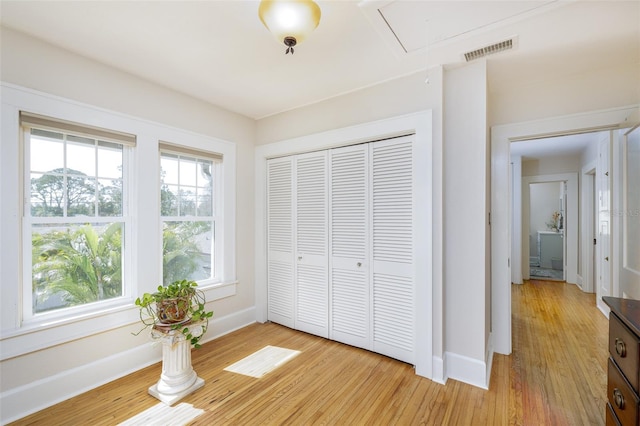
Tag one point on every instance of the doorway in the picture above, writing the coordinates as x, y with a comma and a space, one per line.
550, 227
546, 230
501, 192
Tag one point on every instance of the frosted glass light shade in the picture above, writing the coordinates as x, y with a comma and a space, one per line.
289, 18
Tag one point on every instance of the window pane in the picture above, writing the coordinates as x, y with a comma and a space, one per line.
81, 196
75, 264
187, 251
169, 200
187, 202
204, 203
110, 201
187, 171
47, 195
47, 151
81, 156
204, 174
169, 166
109, 160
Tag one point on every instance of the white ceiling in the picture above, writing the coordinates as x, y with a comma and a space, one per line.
220, 52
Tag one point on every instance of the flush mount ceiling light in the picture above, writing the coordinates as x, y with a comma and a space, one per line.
290, 21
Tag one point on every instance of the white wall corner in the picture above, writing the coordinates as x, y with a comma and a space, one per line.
438, 370
468, 370
20, 402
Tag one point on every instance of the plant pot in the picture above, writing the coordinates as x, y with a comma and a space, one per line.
173, 310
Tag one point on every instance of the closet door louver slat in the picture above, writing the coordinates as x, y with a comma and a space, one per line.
349, 264
280, 267
392, 231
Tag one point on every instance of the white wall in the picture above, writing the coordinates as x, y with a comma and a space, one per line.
613, 85
390, 99
467, 330
55, 373
551, 165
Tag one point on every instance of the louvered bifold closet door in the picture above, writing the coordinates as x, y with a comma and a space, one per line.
348, 246
280, 251
312, 289
392, 247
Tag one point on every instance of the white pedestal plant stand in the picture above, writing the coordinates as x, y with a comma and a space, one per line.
178, 379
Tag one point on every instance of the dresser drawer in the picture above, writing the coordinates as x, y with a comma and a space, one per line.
612, 420
624, 349
623, 399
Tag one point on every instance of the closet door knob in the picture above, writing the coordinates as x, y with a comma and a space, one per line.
359, 264
299, 257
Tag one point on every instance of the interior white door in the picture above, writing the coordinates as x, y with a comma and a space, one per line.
280, 253
603, 246
350, 294
311, 245
392, 273
630, 268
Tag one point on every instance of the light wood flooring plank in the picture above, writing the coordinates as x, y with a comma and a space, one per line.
555, 375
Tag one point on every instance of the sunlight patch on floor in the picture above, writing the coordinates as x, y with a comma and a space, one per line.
263, 361
162, 414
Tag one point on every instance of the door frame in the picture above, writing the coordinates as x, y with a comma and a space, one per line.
501, 193
570, 259
587, 227
428, 328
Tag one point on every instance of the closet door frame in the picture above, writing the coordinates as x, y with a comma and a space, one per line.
428, 329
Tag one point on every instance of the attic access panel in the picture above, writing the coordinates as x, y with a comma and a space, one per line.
411, 26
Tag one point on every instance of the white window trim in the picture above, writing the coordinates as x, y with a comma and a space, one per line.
17, 339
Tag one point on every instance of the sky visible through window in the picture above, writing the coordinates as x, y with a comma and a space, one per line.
47, 154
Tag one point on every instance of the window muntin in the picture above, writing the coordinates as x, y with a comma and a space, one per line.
74, 222
188, 190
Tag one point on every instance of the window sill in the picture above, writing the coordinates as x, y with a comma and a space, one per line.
34, 337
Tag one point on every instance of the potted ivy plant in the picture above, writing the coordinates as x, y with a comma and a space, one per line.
175, 307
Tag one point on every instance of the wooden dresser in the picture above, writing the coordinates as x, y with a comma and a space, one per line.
623, 407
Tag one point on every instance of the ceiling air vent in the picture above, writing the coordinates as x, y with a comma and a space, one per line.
489, 50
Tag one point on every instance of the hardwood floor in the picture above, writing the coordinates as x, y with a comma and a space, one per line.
556, 375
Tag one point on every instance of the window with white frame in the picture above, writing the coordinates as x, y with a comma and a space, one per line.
190, 183
76, 223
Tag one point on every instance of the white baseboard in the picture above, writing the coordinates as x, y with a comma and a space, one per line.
24, 400
468, 370
602, 307
438, 370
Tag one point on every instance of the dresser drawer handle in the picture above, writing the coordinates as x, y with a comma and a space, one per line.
618, 398
621, 348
